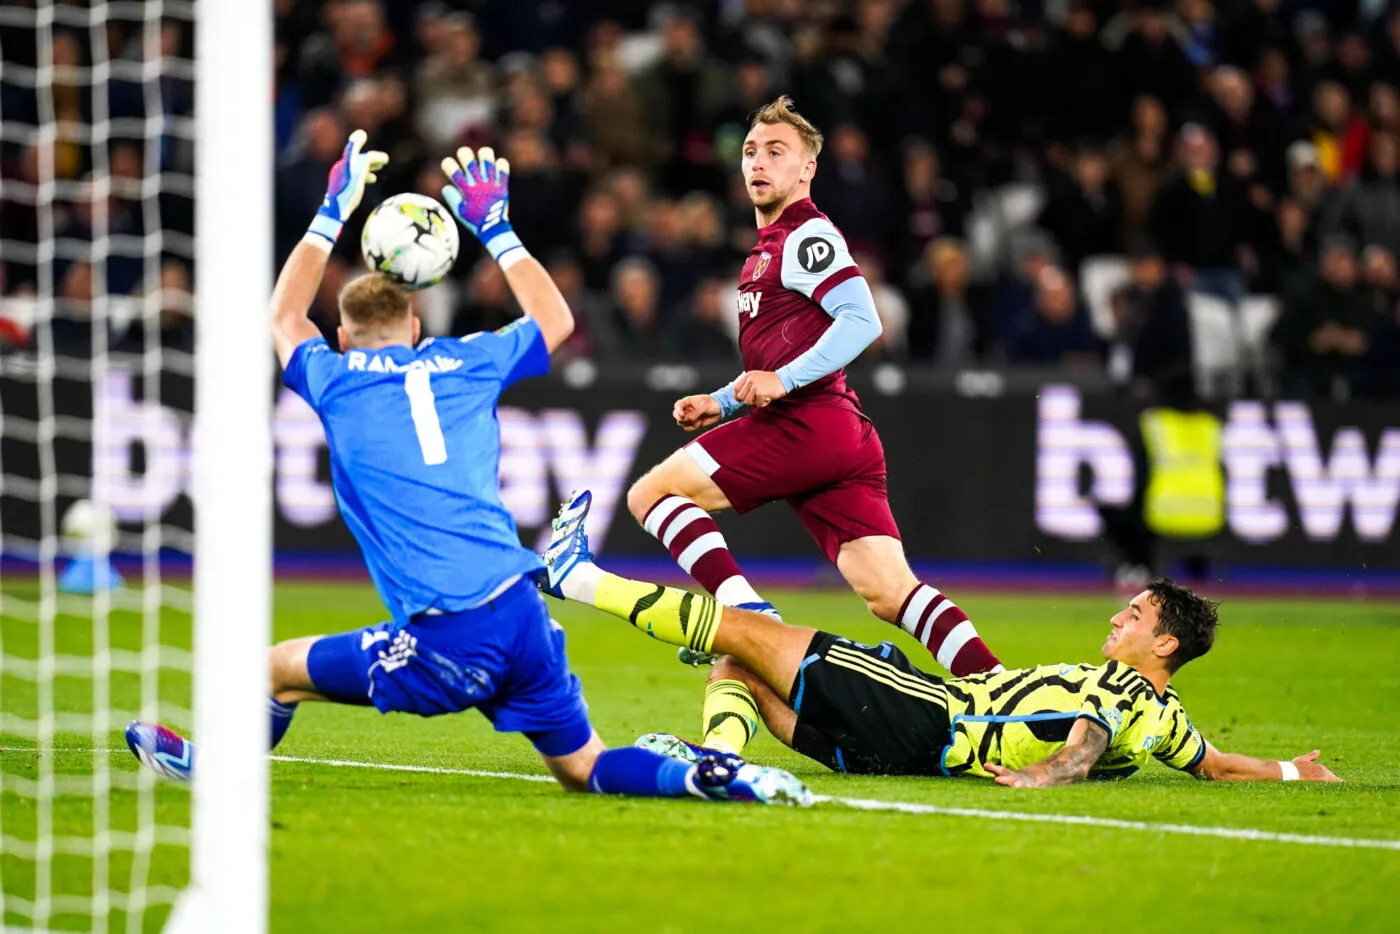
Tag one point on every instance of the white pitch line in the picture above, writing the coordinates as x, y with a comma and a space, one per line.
911, 807
389, 767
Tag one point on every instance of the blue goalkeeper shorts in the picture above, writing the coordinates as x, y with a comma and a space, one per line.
505, 658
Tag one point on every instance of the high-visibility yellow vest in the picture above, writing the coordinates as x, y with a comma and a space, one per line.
1186, 483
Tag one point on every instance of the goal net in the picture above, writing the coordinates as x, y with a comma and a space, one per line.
124, 444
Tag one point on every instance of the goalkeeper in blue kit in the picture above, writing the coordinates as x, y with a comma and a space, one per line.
415, 449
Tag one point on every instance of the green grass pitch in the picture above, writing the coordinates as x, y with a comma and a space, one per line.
364, 849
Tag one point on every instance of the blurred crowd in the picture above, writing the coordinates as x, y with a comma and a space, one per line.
981, 157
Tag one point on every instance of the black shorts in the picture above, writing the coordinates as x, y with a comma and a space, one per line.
867, 709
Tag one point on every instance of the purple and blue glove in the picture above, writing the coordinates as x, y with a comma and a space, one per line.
480, 197
346, 186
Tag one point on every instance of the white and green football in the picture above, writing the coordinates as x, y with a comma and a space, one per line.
410, 238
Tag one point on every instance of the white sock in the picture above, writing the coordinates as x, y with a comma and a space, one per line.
582, 583
736, 590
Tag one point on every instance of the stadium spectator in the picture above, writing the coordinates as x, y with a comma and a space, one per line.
1388, 56
680, 94
1383, 108
1032, 251
614, 116
637, 293
599, 244
1200, 217
1084, 211
1380, 369
595, 328
488, 304
560, 82
1249, 136
1274, 90
1323, 328
1288, 246
1152, 330
302, 175
631, 189
1202, 42
852, 190
753, 88
1307, 183
377, 106
703, 230
72, 313
543, 185
1313, 43
70, 101
1380, 286
1141, 162
890, 307
18, 310
1368, 209
357, 44
949, 315
704, 334
1151, 59
172, 324
934, 205
1086, 78
1055, 328
1338, 132
670, 254
1351, 65
455, 88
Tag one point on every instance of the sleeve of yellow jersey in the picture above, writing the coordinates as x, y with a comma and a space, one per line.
1181, 745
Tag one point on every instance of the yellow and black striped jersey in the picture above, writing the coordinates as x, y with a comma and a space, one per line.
1017, 718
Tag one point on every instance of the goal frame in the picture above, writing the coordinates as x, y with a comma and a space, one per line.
232, 468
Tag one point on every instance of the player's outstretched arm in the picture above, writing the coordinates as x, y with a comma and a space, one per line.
1217, 766
1086, 743
300, 278
480, 197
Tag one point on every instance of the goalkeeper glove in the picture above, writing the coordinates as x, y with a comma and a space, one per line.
346, 186
480, 197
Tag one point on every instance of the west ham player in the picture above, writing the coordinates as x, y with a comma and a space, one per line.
415, 449
867, 709
805, 312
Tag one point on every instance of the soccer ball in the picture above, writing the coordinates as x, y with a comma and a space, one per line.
410, 238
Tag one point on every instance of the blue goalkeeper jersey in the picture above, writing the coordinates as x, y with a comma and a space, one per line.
415, 450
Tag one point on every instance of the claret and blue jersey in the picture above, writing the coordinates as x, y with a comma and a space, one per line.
414, 449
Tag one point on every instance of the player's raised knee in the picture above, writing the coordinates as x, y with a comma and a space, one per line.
644, 493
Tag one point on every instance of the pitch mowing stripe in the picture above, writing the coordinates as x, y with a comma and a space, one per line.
911, 807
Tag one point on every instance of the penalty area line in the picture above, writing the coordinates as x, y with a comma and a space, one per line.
913, 807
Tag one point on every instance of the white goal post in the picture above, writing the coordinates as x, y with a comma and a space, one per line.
232, 467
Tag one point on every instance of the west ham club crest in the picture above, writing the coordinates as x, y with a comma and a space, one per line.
762, 264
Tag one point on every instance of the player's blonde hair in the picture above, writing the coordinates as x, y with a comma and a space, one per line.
373, 300
781, 111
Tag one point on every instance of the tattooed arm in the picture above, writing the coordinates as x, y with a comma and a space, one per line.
1086, 742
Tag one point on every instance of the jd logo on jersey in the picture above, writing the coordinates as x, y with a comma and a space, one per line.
815, 254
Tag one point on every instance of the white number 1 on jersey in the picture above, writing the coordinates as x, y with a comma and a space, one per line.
425, 416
